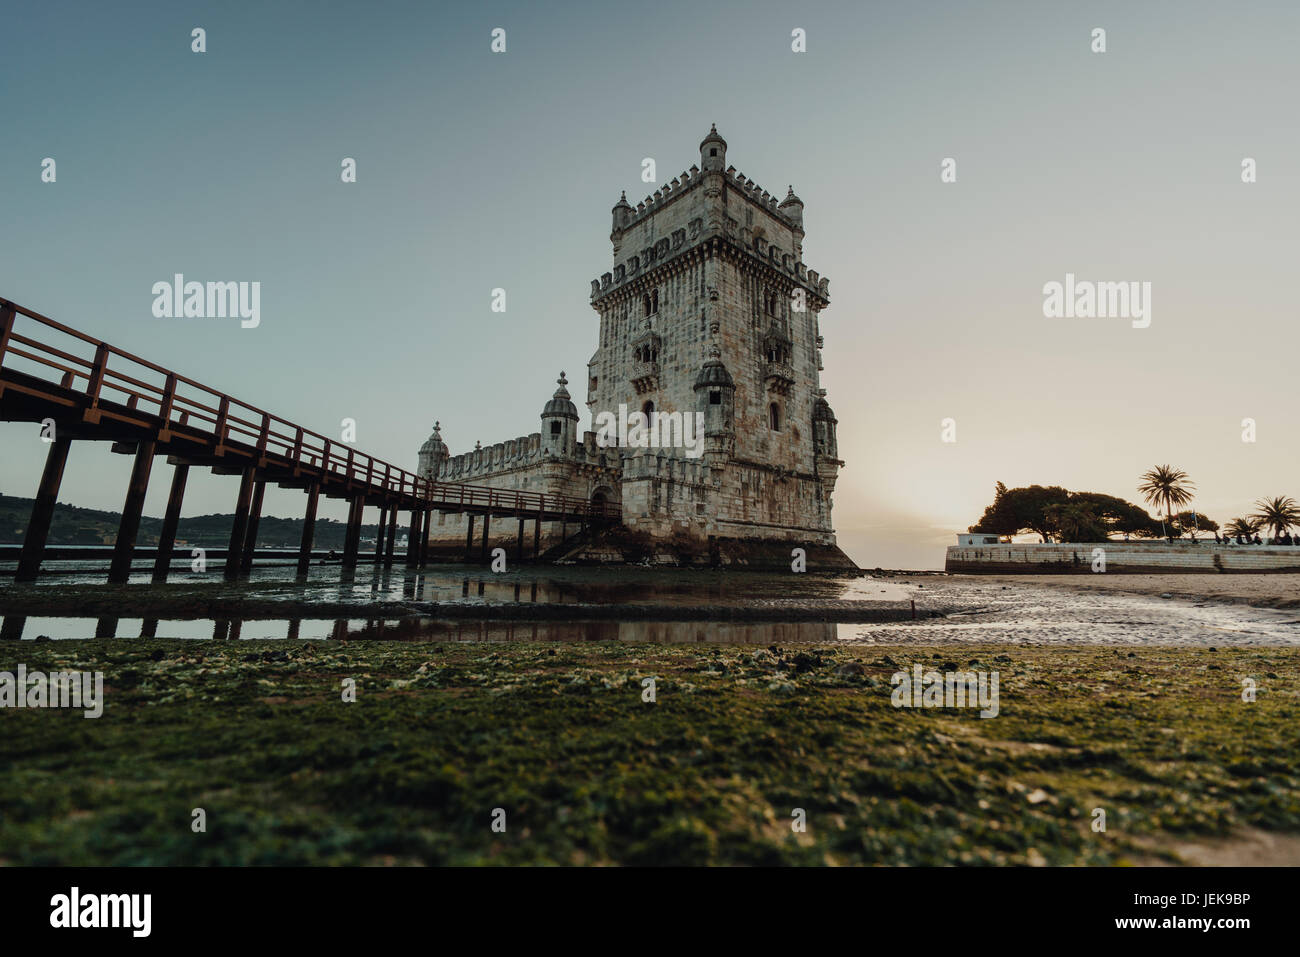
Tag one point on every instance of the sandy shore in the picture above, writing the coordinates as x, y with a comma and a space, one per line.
1261, 591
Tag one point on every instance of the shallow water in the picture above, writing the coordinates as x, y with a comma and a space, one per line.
474, 584
975, 610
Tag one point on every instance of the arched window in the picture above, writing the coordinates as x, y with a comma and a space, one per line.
555, 428
648, 410
645, 305
774, 417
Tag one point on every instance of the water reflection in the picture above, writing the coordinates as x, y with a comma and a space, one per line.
425, 629
476, 584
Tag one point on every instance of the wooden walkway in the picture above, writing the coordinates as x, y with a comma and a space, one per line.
86, 390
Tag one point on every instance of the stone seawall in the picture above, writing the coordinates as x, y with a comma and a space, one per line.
1121, 558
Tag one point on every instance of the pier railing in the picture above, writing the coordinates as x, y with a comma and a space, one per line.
68, 369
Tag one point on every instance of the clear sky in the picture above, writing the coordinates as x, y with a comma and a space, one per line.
479, 170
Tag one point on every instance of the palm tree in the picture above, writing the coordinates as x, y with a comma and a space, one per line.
1241, 527
1277, 514
1167, 485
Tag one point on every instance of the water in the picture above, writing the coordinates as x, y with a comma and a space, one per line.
972, 609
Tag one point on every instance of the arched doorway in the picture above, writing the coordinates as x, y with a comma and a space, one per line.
601, 498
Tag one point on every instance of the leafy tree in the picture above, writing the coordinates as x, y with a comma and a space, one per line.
1166, 485
1076, 521
1243, 527
1120, 516
1021, 509
1190, 522
1277, 514
1053, 511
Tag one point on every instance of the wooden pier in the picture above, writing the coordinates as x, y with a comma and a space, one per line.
87, 390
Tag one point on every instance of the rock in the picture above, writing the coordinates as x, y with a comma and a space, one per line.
1037, 796
850, 668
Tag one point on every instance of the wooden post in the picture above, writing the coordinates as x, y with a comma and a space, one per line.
379, 534
487, 521
352, 543
424, 536
392, 537
167, 539
519, 541
238, 528
38, 524
120, 570
537, 534
469, 539
413, 538
308, 530
250, 536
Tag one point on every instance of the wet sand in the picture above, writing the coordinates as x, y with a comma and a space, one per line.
1257, 590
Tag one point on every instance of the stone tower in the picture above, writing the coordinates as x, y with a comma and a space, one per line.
709, 308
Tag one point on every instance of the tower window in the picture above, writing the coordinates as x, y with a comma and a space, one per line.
774, 417
555, 427
648, 410
713, 151
715, 398
650, 303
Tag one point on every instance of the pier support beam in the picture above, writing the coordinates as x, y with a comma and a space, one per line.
519, 542
424, 536
379, 535
38, 525
487, 521
308, 529
352, 543
238, 528
537, 535
392, 537
469, 539
413, 539
250, 536
120, 570
171, 521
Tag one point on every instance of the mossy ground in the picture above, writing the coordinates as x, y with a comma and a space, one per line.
257, 734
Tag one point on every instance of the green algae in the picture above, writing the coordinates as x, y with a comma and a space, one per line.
587, 772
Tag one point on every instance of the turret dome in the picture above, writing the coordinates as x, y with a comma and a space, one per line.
561, 404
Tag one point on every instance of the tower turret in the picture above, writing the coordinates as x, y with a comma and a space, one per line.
792, 209
622, 212
433, 454
560, 421
713, 151
824, 422
715, 394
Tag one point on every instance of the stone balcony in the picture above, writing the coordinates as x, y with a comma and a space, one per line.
779, 377
644, 376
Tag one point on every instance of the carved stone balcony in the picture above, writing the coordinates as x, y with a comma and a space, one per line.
780, 377
645, 377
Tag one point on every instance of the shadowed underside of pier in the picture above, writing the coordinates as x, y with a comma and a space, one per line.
81, 389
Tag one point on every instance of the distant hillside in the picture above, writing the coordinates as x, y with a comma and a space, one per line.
89, 526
